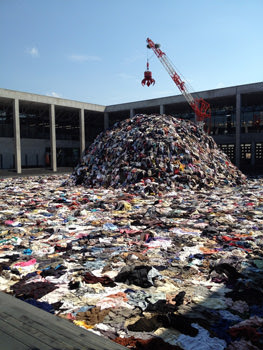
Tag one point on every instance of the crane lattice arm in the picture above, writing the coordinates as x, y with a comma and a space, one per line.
199, 105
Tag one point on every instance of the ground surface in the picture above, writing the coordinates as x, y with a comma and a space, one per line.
181, 270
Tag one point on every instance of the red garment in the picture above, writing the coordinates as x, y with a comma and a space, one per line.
246, 332
227, 239
148, 344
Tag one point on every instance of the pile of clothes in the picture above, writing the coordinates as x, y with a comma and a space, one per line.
153, 153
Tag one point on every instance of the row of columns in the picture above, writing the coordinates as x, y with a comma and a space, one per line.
52, 119
53, 141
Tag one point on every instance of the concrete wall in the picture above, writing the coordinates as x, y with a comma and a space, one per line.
32, 151
7, 150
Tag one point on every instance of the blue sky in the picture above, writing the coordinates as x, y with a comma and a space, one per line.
95, 50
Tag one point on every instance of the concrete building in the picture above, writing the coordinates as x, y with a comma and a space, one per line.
43, 131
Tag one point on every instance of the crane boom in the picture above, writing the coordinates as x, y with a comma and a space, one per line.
199, 105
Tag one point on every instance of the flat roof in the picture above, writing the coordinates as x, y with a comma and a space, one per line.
42, 99
6, 94
207, 94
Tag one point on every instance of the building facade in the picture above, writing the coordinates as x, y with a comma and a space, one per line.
43, 131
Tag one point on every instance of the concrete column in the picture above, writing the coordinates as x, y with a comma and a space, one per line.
53, 151
162, 109
81, 131
253, 153
131, 112
106, 121
16, 123
238, 128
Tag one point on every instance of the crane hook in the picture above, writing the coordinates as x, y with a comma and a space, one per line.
148, 79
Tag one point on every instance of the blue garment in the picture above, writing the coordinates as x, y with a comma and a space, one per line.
27, 252
256, 310
220, 328
40, 304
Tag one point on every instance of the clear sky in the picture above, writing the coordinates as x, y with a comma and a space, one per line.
95, 50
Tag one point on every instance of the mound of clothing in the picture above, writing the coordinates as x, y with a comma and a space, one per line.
153, 153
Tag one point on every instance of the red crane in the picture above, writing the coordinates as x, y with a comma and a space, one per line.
199, 105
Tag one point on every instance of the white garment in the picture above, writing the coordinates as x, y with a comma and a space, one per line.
202, 341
